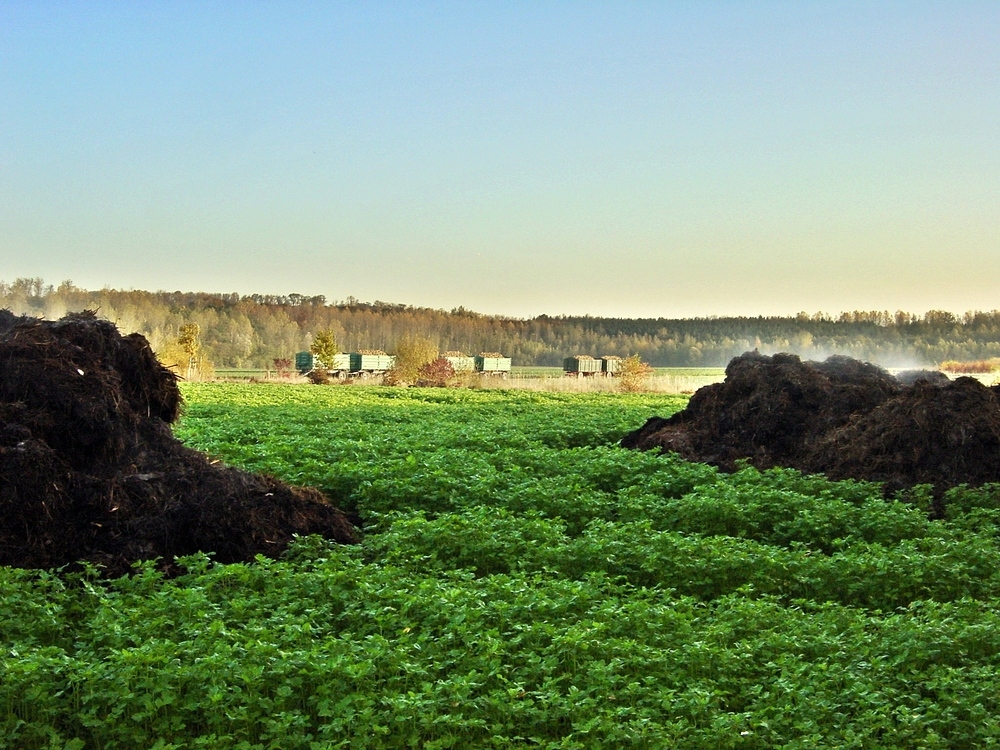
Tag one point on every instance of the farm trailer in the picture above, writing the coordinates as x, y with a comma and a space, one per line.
493, 365
611, 366
585, 366
581, 365
354, 365
369, 364
459, 362
363, 365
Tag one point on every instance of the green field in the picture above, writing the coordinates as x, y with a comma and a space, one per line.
523, 583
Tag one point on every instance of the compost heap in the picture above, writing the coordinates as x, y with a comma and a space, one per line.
841, 417
90, 470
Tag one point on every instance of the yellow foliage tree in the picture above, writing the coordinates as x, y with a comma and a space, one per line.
412, 353
324, 347
183, 354
632, 374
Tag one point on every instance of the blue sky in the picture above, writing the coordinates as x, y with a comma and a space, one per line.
625, 159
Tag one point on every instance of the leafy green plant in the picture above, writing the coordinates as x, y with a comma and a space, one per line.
523, 582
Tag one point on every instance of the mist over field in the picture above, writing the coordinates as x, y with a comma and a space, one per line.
252, 331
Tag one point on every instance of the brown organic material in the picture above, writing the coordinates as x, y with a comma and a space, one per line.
841, 417
89, 469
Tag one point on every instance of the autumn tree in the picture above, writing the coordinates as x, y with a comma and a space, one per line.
249, 331
412, 353
184, 354
632, 374
439, 373
189, 341
324, 347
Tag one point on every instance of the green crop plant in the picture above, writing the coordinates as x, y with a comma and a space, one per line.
523, 582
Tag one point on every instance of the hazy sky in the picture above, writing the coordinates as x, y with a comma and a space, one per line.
628, 159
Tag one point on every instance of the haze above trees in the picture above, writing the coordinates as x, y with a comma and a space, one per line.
253, 330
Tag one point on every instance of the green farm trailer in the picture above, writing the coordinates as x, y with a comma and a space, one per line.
585, 366
306, 362
611, 366
354, 365
368, 364
459, 362
582, 365
492, 364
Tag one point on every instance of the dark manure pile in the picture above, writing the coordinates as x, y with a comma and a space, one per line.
841, 417
90, 470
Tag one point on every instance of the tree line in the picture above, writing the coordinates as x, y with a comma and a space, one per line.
251, 331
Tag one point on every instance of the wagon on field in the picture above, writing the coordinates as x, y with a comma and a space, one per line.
581, 366
492, 364
306, 362
460, 362
370, 362
611, 365
361, 365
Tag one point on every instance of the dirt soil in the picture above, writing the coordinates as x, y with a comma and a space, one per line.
90, 470
840, 417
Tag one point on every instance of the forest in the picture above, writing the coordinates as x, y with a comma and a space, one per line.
251, 331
